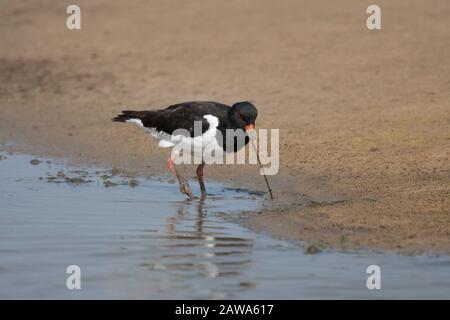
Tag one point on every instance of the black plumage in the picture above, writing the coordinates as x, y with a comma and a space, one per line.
183, 116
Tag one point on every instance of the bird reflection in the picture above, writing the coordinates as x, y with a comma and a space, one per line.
181, 214
203, 244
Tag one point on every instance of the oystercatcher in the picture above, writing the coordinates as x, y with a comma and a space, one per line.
214, 117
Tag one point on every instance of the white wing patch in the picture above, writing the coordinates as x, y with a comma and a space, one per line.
212, 120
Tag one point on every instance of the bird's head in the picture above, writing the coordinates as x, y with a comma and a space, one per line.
243, 115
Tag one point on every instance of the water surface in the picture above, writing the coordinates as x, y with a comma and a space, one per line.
149, 242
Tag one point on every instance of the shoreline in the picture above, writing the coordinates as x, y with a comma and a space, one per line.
277, 219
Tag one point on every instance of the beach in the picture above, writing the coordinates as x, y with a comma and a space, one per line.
364, 115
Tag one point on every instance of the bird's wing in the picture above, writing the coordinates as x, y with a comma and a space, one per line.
180, 117
177, 116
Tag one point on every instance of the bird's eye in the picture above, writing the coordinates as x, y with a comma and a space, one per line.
240, 116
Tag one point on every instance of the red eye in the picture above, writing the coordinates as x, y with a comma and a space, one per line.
240, 116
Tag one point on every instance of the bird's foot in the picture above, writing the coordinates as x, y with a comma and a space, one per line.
184, 187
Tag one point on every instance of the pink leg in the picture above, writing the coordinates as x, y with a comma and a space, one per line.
201, 180
184, 185
171, 166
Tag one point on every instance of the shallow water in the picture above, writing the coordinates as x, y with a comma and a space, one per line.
148, 242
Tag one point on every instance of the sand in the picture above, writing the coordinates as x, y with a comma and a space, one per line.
364, 116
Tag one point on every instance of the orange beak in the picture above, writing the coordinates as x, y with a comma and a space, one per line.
249, 127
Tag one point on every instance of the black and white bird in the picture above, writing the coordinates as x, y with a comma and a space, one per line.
215, 117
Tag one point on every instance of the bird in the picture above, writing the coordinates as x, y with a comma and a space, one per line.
215, 118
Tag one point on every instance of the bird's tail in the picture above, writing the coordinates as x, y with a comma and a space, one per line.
127, 115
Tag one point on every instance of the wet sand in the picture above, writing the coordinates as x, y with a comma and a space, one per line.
364, 116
